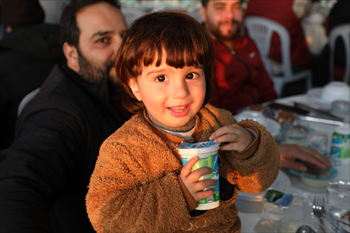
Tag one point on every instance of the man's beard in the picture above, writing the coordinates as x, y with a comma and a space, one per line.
215, 30
94, 73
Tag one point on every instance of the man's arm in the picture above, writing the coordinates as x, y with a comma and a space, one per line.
35, 170
291, 152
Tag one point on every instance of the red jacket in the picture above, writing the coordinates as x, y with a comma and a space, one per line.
240, 79
282, 12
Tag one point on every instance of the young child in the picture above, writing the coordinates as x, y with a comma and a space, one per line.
139, 183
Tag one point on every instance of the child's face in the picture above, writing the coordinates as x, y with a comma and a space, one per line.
173, 96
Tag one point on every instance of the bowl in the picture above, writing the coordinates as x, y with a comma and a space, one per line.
252, 115
291, 225
318, 180
335, 91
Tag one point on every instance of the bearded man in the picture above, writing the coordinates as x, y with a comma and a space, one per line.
46, 171
239, 77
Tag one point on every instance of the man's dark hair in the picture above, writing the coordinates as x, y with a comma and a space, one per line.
205, 2
69, 31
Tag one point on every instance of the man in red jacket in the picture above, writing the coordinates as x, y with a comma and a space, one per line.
239, 77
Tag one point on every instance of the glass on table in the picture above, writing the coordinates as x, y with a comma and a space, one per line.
295, 134
338, 199
276, 207
318, 141
340, 107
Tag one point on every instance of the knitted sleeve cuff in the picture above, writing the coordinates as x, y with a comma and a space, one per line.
251, 149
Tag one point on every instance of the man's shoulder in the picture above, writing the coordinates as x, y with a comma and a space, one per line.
58, 91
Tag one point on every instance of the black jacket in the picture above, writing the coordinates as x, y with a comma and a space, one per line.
45, 173
27, 56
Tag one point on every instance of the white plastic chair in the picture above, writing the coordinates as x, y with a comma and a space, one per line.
342, 31
260, 29
26, 99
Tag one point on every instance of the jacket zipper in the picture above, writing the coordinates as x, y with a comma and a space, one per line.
233, 53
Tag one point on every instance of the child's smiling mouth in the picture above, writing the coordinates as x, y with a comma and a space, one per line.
179, 110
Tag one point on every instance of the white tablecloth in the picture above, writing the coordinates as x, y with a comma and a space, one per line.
251, 212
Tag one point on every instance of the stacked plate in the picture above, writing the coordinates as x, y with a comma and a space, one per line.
282, 183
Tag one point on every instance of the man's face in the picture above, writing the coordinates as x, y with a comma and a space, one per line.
223, 18
101, 27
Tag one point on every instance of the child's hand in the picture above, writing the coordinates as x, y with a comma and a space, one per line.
232, 137
191, 180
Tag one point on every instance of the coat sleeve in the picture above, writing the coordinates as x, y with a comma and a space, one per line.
258, 172
35, 169
125, 196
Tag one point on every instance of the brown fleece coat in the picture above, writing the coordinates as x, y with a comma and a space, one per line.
134, 187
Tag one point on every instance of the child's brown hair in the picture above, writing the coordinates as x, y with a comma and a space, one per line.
183, 38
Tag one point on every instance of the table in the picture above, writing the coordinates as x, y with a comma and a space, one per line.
251, 212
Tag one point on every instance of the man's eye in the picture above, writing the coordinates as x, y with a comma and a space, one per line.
219, 7
103, 40
161, 78
191, 76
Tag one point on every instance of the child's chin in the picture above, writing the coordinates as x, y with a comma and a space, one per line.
176, 125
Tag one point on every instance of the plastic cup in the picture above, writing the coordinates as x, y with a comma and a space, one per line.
340, 147
208, 157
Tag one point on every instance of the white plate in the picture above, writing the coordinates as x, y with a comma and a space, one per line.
315, 96
271, 125
282, 183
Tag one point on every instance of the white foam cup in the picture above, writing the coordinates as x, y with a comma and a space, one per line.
335, 90
208, 157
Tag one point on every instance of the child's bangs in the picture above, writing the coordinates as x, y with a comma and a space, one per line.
176, 56
184, 54
182, 47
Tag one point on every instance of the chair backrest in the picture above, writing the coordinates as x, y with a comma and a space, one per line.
342, 31
26, 99
260, 29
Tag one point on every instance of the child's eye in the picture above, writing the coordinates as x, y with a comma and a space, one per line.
161, 78
191, 76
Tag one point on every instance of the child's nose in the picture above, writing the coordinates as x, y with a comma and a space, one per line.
181, 90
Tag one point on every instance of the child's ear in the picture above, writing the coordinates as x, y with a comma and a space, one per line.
135, 88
